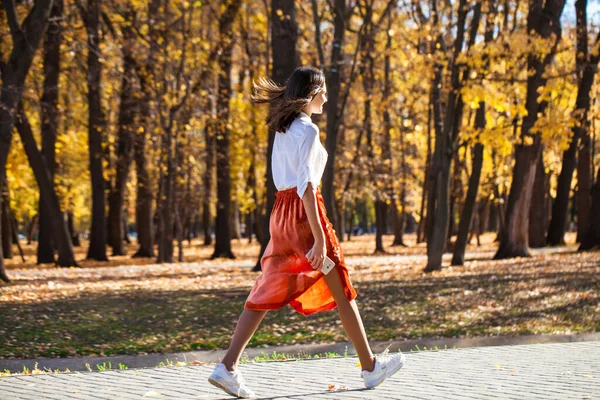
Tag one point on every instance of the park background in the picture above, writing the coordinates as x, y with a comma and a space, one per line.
137, 188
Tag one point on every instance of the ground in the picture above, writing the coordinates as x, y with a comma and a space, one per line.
559, 371
144, 308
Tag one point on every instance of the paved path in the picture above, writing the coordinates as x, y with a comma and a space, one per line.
539, 371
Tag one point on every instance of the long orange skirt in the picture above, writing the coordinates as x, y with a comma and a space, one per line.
287, 276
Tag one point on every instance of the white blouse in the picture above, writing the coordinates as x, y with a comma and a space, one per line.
298, 156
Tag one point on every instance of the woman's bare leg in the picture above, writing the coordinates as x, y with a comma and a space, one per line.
245, 328
351, 320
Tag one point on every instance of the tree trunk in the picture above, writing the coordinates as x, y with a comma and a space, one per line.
236, 229
466, 218
284, 35
144, 222
591, 232
584, 179
446, 134
50, 201
422, 231
127, 112
7, 232
543, 19
222, 231
96, 123
537, 211
586, 67
208, 182
332, 107
71, 227
49, 122
26, 38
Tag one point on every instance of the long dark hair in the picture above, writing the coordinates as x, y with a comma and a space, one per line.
288, 100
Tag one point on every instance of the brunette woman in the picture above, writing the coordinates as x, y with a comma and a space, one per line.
302, 236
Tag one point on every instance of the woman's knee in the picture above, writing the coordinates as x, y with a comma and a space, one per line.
334, 283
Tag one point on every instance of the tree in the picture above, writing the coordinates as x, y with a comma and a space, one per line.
284, 35
591, 231
50, 119
222, 224
50, 201
26, 38
446, 134
544, 22
96, 124
125, 143
586, 72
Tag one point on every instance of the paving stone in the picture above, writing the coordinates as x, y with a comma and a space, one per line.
539, 371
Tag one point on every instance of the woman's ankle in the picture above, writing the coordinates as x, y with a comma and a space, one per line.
230, 368
371, 367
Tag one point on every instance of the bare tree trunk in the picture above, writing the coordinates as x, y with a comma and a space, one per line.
49, 122
284, 35
222, 231
537, 211
332, 106
26, 38
584, 179
96, 122
591, 236
543, 19
421, 230
446, 134
586, 67
50, 201
466, 218
208, 182
127, 112
72, 232
144, 213
7, 231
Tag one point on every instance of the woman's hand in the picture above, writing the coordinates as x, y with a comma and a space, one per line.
316, 255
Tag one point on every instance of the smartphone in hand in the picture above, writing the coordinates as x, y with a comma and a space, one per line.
328, 264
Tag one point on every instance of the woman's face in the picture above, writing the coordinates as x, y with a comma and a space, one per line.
316, 105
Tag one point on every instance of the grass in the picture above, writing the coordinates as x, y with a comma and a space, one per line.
139, 309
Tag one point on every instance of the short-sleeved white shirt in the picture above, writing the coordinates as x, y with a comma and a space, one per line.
298, 156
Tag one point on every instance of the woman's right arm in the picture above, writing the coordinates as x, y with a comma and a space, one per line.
316, 255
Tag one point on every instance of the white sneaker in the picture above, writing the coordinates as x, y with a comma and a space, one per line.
230, 381
386, 365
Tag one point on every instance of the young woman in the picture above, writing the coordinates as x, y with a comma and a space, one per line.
301, 235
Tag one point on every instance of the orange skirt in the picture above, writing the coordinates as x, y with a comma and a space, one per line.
287, 276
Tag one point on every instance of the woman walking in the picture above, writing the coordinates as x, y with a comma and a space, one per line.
302, 237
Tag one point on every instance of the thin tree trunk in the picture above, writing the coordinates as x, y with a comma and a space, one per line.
334, 74
127, 112
421, 230
15, 234
222, 227
49, 122
584, 179
208, 182
466, 218
7, 231
591, 232
446, 134
71, 227
586, 67
285, 58
50, 201
96, 123
537, 211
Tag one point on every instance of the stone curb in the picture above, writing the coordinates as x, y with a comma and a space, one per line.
210, 356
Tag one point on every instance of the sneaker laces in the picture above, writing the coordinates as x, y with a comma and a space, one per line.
384, 355
239, 377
